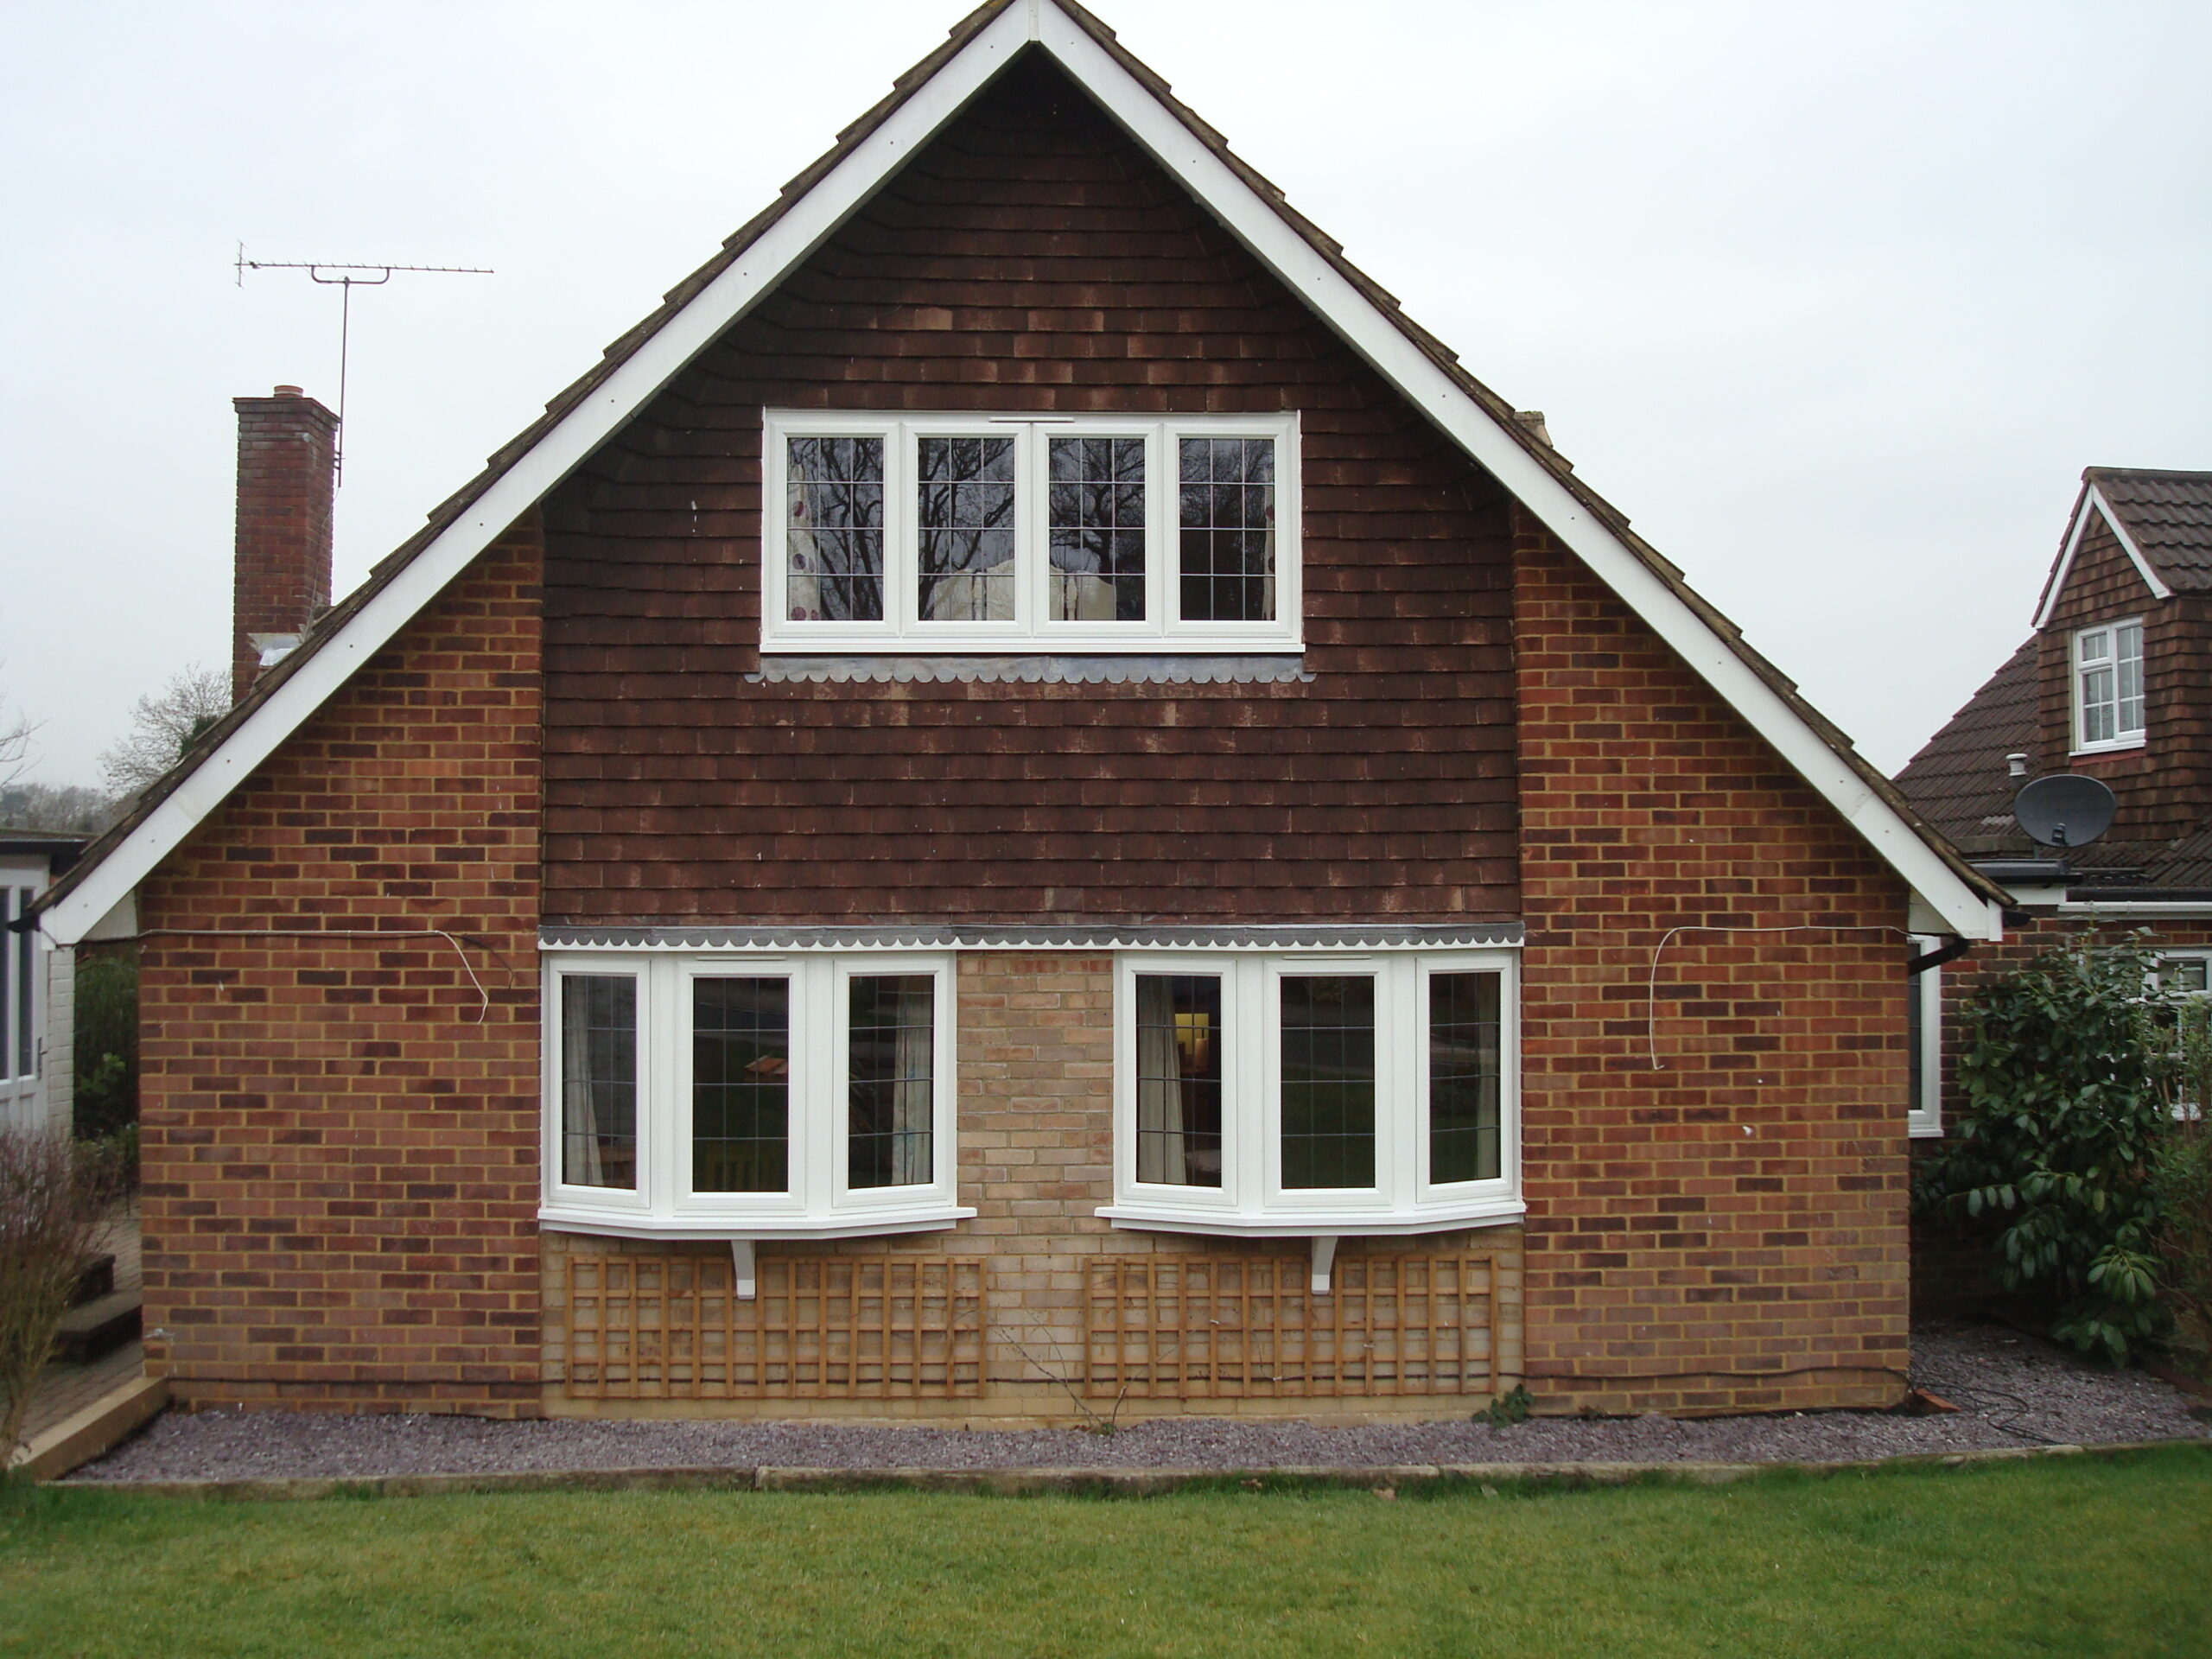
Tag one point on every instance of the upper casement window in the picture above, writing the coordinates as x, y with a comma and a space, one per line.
727, 1097
2108, 687
1321, 1093
990, 532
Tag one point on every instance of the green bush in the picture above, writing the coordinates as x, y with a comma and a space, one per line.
2181, 1182
2065, 1079
106, 1043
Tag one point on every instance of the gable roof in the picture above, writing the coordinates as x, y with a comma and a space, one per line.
1960, 781
811, 206
2162, 520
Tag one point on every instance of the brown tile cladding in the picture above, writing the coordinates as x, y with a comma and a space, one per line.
1741, 1211
341, 1160
1031, 258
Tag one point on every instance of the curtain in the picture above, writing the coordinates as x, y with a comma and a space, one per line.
1161, 1149
580, 1162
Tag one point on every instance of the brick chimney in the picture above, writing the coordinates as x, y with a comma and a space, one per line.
281, 575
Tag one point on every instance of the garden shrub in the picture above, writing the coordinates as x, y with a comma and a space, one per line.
106, 1043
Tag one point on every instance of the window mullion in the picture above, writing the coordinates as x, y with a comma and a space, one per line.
663, 1116
1401, 1117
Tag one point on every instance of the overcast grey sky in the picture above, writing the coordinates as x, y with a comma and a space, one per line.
1835, 300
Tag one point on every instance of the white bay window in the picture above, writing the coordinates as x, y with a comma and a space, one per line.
704, 1096
995, 532
1330, 1094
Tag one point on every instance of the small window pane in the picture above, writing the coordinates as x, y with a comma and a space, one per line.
2095, 646
1098, 530
833, 537
2128, 659
892, 1080
966, 517
1178, 1079
1463, 1077
1328, 1081
740, 1085
2098, 712
7, 986
2184, 973
1228, 544
26, 987
599, 1080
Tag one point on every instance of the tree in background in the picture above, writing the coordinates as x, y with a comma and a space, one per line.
165, 725
58, 809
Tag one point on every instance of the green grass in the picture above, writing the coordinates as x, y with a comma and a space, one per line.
2063, 1556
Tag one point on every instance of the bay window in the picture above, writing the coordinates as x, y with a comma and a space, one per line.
982, 532
692, 1096
1262, 1094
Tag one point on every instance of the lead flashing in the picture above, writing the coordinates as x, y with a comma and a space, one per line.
1379, 936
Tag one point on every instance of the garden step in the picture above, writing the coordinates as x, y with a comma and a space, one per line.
94, 1282
97, 1327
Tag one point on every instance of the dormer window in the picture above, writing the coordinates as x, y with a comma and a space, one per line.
1020, 532
2108, 687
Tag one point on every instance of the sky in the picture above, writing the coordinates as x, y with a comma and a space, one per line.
1835, 300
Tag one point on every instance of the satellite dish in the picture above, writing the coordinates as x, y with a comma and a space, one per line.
2065, 810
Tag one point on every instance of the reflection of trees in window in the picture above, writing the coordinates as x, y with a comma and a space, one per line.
1098, 530
599, 1080
1463, 1077
1228, 530
1328, 1080
965, 503
833, 540
893, 1079
1178, 1079
740, 1085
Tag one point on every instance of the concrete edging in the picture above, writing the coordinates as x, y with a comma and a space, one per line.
1092, 1481
84, 1435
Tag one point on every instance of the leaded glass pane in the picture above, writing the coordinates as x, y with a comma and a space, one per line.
892, 1080
599, 1080
1328, 1080
1178, 1079
1098, 530
1228, 512
965, 503
833, 535
740, 1085
1464, 1077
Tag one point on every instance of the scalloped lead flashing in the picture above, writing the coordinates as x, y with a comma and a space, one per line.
1380, 936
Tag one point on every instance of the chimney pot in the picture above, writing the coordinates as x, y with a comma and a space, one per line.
2017, 765
287, 391
281, 575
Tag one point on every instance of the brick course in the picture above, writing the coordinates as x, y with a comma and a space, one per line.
341, 1157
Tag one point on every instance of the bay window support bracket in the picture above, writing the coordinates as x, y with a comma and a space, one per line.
1325, 1262
746, 1283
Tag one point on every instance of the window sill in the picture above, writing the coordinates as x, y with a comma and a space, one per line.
1340, 1223
2119, 746
1153, 661
1923, 1131
921, 1218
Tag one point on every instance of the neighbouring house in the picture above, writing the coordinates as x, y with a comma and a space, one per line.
37, 982
1027, 802
2111, 685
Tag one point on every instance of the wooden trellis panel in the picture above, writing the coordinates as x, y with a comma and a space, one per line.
1175, 1327
668, 1327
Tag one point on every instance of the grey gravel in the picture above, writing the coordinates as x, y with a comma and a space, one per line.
2013, 1390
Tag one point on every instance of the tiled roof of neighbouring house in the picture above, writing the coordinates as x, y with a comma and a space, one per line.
1960, 782
2168, 515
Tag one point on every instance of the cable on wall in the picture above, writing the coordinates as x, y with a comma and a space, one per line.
484, 1006
1651, 989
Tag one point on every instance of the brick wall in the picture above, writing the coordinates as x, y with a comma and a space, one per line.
1036, 1050
341, 1138
281, 574
1742, 1209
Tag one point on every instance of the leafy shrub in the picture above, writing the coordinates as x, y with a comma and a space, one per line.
2181, 1182
2065, 1077
106, 1043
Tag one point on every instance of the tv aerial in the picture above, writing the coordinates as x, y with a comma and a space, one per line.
2064, 810
346, 278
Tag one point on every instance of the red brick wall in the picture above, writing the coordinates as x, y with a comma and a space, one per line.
341, 1141
280, 573
1742, 1209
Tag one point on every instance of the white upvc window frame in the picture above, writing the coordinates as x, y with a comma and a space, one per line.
1251, 1201
2097, 650
1926, 988
1032, 628
818, 1202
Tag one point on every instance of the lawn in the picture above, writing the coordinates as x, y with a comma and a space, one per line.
2064, 1556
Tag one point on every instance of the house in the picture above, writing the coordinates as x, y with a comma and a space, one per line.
37, 982
1027, 803
2110, 685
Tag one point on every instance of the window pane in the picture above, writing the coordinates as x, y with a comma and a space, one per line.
599, 1080
1328, 1081
740, 1085
1098, 530
2128, 659
7, 986
1178, 1079
26, 987
833, 538
2182, 974
1463, 1077
2097, 710
892, 1080
1228, 571
1915, 1044
966, 517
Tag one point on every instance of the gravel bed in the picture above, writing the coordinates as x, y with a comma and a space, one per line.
2013, 1390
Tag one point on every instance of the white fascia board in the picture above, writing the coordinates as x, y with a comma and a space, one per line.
2145, 910
1256, 223
2093, 498
808, 222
